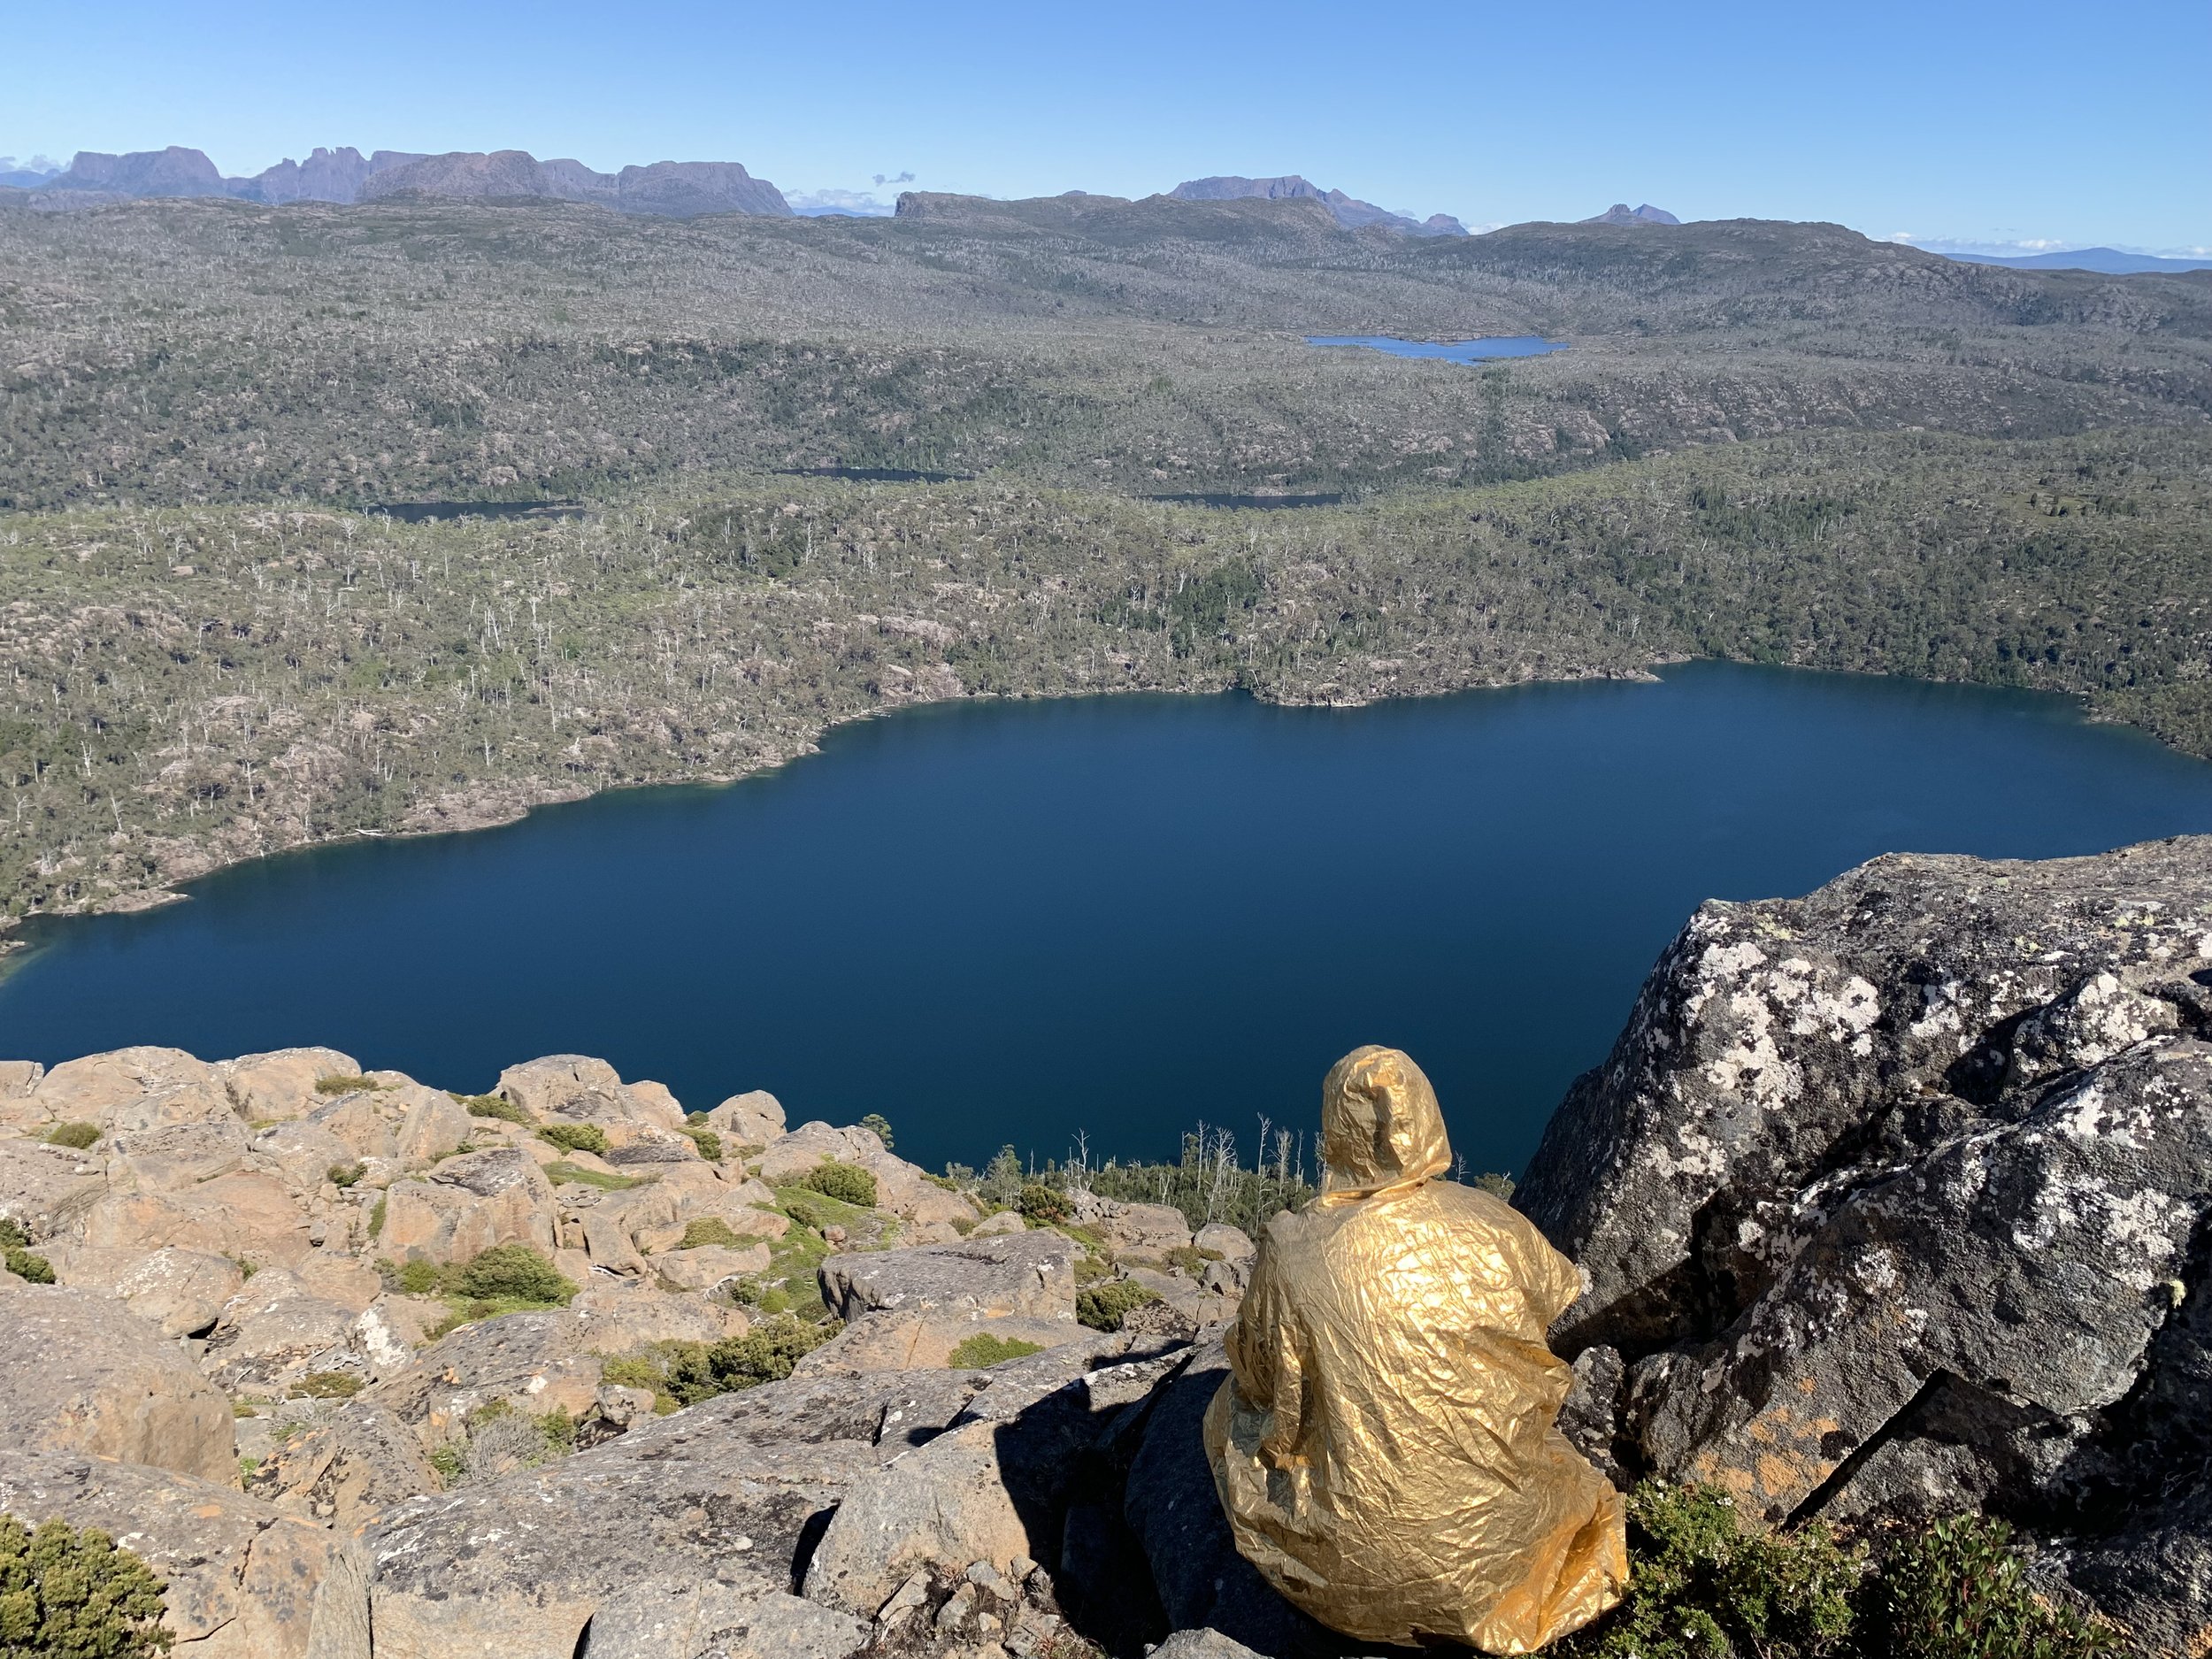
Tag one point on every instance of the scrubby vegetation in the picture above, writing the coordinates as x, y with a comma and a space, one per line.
709, 1144
71, 1594
564, 1174
348, 1083
846, 1183
75, 1136
1703, 1585
710, 1230
1103, 1306
344, 1175
17, 1256
576, 1138
683, 1374
493, 1106
506, 1279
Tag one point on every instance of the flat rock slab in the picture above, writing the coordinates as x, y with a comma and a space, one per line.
1029, 1274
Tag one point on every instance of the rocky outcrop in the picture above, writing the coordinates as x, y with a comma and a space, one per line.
1349, 211
678, 190
1893, 1200
470, 1204
1621, 213
245, 1580
79, 1373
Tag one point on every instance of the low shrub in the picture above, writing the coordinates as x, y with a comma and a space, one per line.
347, 1083
1701, 1585
709, 1144
450, 1463
576, 1138
513, 1272
74, 1595
16, 1254
1045, 1206
706, 1229
847, 1183
1107, 1303
76, 1137
1959, 1591
983, 1350
876, 1124
344, 1175
699, 1370
376, 1216
493, 1106
796, 1206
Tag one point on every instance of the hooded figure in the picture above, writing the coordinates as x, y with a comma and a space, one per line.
1386, 1447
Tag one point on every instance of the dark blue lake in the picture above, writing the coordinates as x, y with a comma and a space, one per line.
1008, 921
1450, 350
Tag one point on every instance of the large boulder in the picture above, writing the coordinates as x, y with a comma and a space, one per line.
434, 1126
181, 1291
721, 1499
267, 1089
1139, 1229
791, 1155
251, 1217
80, 1372
356, 1464
993, 1488
467, 1205
44, 1189
176, 1156
1031, 1275
245, 1580
129, 1088
1887, 1200
750, 1119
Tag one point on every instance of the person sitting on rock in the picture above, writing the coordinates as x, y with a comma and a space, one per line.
1386, 1446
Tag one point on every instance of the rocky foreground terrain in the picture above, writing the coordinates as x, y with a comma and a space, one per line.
1891, 1201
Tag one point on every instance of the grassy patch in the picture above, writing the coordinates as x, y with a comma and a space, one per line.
344, 1083
329, 1385
76, 1137
567, 1174
983, 1350
710, 1230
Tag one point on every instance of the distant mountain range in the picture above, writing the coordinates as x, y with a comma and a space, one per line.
1349, 212
1620, 213
2104, 261
676, 189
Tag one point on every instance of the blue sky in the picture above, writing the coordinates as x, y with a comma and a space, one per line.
2023, 122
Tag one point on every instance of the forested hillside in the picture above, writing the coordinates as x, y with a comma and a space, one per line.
1783, 443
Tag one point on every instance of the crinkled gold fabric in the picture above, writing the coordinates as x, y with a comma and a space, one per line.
1386, 1445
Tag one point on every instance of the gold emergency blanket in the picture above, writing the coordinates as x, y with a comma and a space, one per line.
1386, 1445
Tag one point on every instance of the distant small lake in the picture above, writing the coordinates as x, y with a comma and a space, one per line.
1009, 921
1450, 350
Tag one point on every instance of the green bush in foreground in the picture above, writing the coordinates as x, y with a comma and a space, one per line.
76, 1137
348, 1083
1959, 1591
983, 1350
1104, 1305
70, 1595
493, 1106
847, 1183
576, 1138
1703, 1585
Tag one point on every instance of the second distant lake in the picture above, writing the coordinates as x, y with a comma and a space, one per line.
1450, 350
1011, 922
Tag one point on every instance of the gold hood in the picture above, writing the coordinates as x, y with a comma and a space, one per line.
1386, 1446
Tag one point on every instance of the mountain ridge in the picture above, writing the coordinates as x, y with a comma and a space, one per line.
674, 189
1347, 211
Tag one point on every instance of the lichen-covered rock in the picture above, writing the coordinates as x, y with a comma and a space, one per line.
1142, 1229
80, 1372
129, 1088
1028, 1274
181, 1293
251, 1217
1890, 1199
44, 1189
357, 1463
434, 1126
725, 1493
791, 1155
245, 1580
467, 1205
